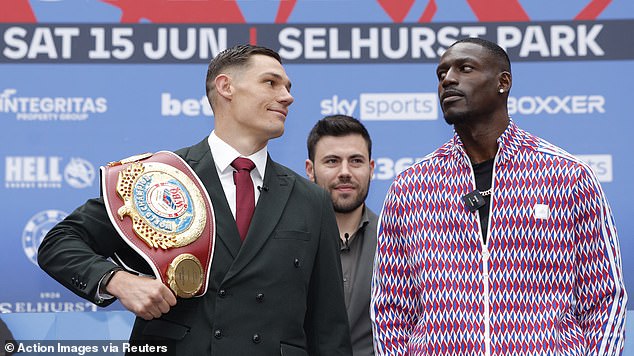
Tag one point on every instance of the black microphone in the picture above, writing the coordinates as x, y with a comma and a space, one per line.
474, 200
346, 247
263, 188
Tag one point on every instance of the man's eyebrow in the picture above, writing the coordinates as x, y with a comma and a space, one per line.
278, 76
460, 60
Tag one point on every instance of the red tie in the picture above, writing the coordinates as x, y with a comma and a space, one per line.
245, 196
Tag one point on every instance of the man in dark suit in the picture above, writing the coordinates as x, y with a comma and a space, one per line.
274, 287
340, 161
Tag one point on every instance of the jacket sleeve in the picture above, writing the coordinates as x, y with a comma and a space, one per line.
600, 291
74, 251
395, 296
326, 318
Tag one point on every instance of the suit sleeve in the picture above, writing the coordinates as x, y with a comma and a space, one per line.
394, 298
74, 251
601, 296
326, 319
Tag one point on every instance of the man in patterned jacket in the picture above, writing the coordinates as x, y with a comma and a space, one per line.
497, 243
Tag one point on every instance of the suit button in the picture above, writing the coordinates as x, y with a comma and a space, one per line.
259, 297
222, 293
296, 262
218, 334
256, 339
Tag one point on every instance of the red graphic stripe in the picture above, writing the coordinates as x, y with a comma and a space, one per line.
16, 11
430, 11
168, 11
593, 10
396, 9
253, 36
285, 10
498, 10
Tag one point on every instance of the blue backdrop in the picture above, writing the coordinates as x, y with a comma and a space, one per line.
88, 82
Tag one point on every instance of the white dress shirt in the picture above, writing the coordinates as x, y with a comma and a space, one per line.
223, 155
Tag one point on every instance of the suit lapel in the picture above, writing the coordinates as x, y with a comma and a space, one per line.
201, 160
267, 213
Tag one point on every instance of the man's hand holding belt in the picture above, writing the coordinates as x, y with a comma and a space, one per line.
146, 297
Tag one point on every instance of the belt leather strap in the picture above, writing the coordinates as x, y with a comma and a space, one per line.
160, 208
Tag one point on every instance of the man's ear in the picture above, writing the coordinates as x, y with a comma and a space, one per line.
310, 170
505, 81
223, 86
372, 164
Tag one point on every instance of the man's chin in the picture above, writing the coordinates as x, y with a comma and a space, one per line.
276, 133
453, 118
346, 207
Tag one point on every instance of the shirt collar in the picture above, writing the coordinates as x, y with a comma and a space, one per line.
508, 144
224, 154
365, 219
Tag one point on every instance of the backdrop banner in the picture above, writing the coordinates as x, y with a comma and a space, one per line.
89, 82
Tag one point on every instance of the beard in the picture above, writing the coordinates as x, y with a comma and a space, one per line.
342, 205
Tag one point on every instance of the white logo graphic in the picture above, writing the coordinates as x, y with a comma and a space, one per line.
47, 307
79, 173
36, 228
551, 105
399, 106
45, 172
335, 106
386, 168
600, 164
385, 106
50, 108
187, 107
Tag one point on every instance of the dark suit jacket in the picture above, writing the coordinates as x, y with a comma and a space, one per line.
278, 293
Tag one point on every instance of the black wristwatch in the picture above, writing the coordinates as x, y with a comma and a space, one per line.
107, 277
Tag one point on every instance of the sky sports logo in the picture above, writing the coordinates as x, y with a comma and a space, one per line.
384, 106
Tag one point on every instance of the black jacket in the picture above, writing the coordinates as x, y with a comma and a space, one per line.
278, 293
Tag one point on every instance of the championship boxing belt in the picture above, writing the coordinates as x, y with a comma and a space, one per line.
161, 209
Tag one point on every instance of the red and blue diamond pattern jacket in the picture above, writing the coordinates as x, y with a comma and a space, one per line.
548, 281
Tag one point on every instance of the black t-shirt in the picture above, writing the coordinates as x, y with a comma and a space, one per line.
483, 175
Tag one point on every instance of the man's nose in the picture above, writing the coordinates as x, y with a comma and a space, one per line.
344, 169
285, 97
450, 78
